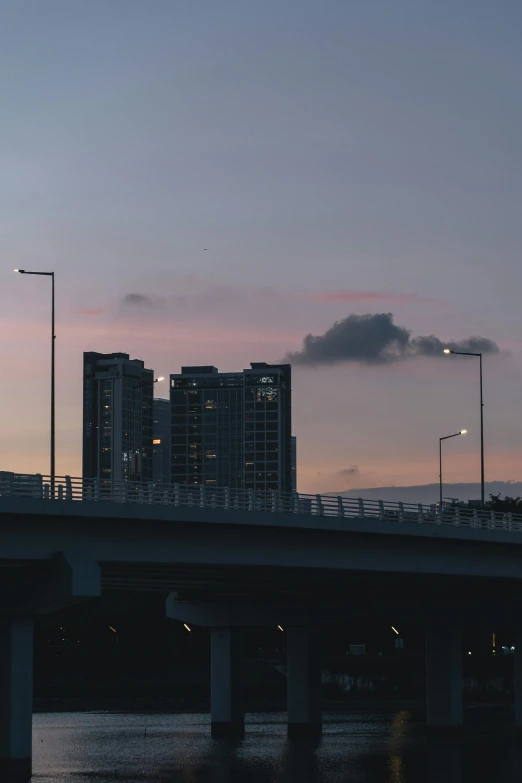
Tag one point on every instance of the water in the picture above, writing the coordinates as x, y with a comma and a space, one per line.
98, 747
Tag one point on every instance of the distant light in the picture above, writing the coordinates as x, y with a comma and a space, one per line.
463, 432
395, 630
280, 627
469, 652
156, 441
448, 350
113, 629
161, 378
187, 627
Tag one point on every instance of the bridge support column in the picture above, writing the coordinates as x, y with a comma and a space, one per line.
226, 697
444, 701
16, 698
304, 682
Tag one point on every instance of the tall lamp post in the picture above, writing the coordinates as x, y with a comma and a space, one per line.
53, 337
446, 437
468, 353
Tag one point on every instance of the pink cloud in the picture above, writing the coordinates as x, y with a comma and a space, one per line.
78, 333
369, 296
92, 311
188, 334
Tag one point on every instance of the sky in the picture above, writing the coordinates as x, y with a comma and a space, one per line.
213, 182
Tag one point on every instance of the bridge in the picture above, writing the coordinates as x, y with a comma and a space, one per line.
229, 559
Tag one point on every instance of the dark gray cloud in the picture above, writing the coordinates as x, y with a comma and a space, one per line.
218, 298
345, 473
375, 339
137, 299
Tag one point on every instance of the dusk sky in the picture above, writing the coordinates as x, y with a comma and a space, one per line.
253, 172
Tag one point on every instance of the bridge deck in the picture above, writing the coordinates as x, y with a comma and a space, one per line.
151, 501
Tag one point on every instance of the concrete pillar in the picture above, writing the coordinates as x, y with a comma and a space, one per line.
443, 676
304, 682
226, 698
16, 699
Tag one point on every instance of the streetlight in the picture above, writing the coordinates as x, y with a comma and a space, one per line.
446, 437
53, 337
468, 353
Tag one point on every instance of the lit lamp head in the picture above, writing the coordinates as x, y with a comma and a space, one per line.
20, 271
448, 350
462, 432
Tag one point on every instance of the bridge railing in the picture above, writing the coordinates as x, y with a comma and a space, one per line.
206, 496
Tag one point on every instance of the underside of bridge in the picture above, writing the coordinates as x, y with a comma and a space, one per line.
208, 582
228, 599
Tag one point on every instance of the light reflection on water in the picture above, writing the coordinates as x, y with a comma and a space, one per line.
355, 748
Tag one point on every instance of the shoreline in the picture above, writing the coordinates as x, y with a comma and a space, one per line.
174, 707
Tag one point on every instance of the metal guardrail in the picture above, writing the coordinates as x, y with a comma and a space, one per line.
78, 489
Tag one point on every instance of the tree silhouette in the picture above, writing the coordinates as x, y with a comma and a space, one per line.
508, 504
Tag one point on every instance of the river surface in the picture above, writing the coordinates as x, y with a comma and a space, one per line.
362, 747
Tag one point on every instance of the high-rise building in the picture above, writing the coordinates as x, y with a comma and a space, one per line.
117, 417
161, 441
294, 463
232, 429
